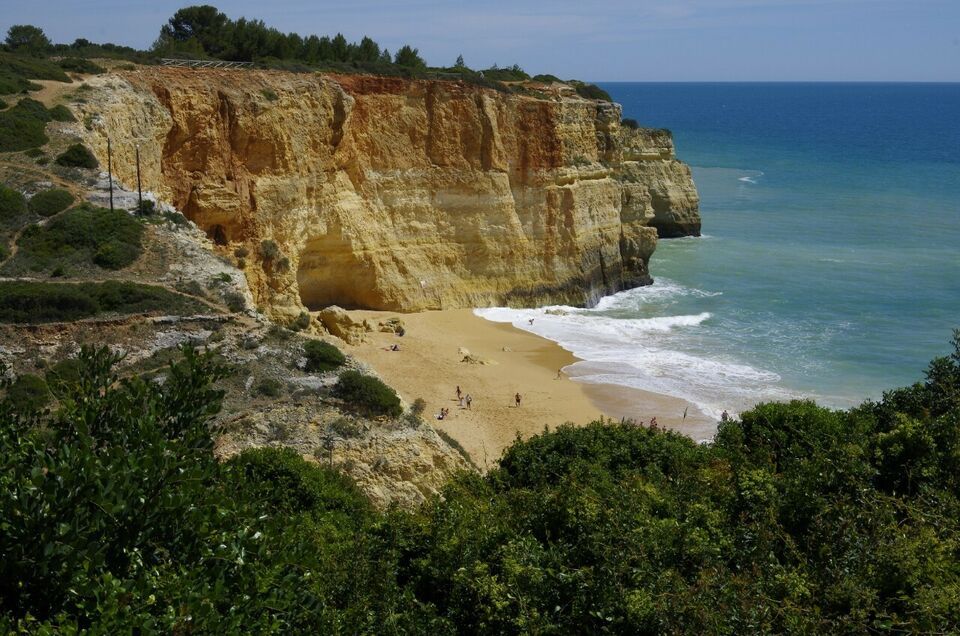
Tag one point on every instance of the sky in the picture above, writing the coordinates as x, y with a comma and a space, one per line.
614, 40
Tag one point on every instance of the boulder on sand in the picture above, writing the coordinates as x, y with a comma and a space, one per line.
338, 322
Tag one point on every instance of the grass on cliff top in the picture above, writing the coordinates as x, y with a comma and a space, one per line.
17, 70
83, 237
23, 302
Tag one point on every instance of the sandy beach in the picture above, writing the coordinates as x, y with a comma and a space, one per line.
429, 365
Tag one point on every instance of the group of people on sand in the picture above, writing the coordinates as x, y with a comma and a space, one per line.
464, 400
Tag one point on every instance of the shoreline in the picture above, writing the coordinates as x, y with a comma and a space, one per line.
429, 365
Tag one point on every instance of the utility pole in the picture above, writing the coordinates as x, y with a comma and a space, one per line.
139, 188
110, 171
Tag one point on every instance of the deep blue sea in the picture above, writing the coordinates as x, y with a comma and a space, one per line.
830, 262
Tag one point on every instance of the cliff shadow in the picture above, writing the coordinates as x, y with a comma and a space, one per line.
331, 273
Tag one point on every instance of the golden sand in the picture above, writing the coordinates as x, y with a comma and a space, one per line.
430, 365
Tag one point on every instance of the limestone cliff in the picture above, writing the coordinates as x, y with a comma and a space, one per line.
396, 194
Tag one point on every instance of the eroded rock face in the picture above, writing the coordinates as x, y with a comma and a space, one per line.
402, 195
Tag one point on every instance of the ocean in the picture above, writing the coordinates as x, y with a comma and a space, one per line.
829, 267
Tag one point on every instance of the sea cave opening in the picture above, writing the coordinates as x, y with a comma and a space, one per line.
331, 273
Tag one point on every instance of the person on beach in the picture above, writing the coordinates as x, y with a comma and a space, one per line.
530, 322
653, 422
516, 399
559, 373
725, 417
395, 347
460, 399
442, 414
458, 392
469, 401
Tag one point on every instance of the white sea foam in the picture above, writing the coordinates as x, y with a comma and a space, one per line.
645, 353
752, 178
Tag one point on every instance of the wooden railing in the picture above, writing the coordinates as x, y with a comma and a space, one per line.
204, 63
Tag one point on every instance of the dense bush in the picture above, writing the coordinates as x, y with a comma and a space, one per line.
80, 65
77, 156
367, 394
17, 69
28, 393
38, 302
798, 519
13, 205
322, 356
283, 484
84, 235
61, 113
627, 122
591, 91
509, 74
50, 202
22, 126
116, 514
268, 387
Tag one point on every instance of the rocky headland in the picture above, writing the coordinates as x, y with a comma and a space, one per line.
394, 194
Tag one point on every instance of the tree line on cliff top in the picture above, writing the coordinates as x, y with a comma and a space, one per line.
115, 516
204, 32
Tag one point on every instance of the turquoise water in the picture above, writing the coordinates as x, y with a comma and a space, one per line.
830, 262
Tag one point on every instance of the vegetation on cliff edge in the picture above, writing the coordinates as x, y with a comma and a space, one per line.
796, 519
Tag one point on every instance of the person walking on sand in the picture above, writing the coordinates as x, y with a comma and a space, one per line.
516, 398
559, 373
460, 399
459, 393
469, 401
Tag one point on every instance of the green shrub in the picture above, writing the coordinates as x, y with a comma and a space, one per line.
62, 377
269, 94
80, 65
13, 205
28, 67
268, 387
3, 104
592, 91
627, 122
26, 302
28, 393
367, 394
61, 113
346, 427
191, 287
322, 356
50, 202
11, 84
83, 235
77, 156
145, 208
234, 301
22, 126
115, 255
33, 152
282, 483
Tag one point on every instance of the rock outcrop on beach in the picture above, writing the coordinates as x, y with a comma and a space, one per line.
384, 193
